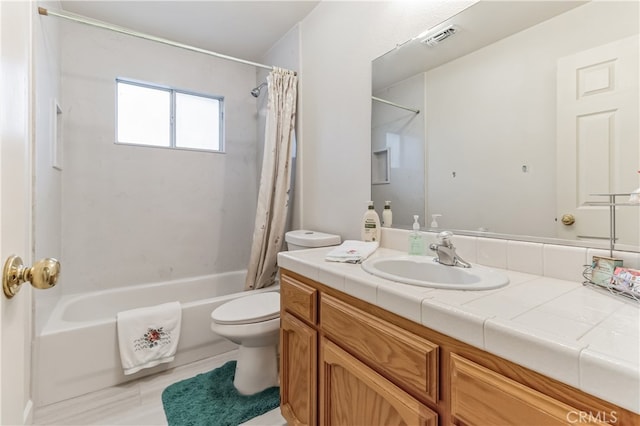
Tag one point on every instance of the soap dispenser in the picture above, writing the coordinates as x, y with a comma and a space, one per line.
634, 197
387, 216
370, 230
434, 220
416, 243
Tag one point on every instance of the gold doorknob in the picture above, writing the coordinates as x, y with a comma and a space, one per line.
568, 219
43, 274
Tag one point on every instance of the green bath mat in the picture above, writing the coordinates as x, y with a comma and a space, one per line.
210, 399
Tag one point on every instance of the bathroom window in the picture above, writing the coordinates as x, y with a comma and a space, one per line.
152, 115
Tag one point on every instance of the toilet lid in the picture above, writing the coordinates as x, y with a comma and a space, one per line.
249, 309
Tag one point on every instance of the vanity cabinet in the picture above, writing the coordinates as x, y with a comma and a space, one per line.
346, 362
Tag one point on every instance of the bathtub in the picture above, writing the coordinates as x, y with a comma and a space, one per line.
76, 351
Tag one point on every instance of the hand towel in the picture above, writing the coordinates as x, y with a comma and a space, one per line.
148, 336
352, 251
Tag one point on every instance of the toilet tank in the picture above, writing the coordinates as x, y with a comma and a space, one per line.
305, 239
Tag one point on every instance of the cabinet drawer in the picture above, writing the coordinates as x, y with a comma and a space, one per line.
299, 299
480, 396
401, 356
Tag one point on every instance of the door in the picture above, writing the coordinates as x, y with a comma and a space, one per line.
15, 206
298, 371
353, 394
597, 137
483, 397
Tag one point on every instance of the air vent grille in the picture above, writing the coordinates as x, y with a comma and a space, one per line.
434, 39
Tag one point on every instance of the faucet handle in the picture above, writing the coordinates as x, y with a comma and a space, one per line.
444, 237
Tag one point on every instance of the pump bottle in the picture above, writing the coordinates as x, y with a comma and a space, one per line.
387, 216
634, 197
370, 230
416, 243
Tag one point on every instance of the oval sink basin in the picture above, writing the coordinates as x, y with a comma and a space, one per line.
426, 272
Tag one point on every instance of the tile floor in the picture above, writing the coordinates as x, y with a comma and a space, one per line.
137, 402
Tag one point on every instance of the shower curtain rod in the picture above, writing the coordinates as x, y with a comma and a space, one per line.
384, 101
93, 22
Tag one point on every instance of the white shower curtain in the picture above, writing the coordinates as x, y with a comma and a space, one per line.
275, 180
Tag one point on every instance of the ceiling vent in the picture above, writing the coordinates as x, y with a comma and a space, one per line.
439, 36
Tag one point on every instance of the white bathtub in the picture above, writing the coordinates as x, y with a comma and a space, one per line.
77, 349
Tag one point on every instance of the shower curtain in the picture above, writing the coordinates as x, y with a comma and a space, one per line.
275, 180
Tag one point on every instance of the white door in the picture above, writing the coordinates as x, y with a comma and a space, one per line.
598, 139
15, 206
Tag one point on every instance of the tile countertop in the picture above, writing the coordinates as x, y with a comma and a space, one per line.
579, 335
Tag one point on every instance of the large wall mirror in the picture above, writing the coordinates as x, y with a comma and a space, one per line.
510, 119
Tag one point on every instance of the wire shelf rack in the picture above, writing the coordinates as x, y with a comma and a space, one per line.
612, 203
618, 285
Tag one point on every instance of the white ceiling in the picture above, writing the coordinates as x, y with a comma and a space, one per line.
244, 29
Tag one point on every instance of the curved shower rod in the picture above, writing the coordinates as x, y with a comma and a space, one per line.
95, 23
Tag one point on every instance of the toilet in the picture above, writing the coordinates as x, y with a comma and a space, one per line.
253, 323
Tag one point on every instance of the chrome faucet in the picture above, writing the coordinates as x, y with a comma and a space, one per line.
446, 252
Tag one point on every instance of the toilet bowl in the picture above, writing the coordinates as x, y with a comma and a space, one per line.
253, 323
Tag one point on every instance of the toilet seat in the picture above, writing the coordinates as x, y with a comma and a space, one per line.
249, 309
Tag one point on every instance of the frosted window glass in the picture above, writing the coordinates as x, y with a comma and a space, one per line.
197, 122
144, 115
159, 116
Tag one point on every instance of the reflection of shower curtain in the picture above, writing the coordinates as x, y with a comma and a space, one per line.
275, 180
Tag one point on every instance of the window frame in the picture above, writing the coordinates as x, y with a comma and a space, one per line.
172, 116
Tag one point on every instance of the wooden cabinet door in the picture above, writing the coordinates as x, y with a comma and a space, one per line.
403, 357
483, 397
353, 394
298, 371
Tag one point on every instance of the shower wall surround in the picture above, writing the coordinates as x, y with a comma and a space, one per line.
47, 182
134, 215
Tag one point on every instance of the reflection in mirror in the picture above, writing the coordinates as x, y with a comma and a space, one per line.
519, 121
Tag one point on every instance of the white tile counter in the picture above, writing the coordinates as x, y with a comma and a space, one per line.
582, 336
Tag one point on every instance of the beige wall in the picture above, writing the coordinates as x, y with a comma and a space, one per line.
338, 42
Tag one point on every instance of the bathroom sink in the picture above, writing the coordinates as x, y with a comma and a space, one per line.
426, 272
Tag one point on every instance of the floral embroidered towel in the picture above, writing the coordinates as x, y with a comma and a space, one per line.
352, 251
148, 336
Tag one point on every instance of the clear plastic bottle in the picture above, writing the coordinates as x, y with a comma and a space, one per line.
634, 198
434, 220
370, 230
416, 243
387, 215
